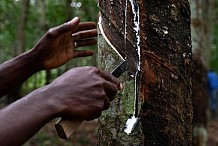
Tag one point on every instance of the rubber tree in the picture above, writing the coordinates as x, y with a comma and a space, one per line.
158, 33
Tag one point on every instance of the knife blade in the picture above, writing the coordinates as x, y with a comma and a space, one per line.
66, 127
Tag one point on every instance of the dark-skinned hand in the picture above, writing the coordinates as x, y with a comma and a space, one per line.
60, 43
83, 92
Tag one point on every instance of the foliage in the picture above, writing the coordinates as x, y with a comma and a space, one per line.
214, 51
57, 12
8, 21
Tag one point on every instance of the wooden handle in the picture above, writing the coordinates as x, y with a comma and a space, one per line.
66, 127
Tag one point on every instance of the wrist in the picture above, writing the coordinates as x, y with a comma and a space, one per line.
17, 70
48, 101
35, 59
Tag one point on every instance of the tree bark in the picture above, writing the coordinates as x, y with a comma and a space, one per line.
166, 70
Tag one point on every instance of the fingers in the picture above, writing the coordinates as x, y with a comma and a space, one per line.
87, 42
66, 27
110, 90
72, 26
84, 26
94, 116
82, 53
82, 43
107, 103
102, 106
109, 77
111, 86
84, 38
84, 34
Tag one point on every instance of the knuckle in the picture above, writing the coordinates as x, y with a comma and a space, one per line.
95, 69
92, 69
50, 33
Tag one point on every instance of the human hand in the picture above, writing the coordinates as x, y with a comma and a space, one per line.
83, 92
59, 44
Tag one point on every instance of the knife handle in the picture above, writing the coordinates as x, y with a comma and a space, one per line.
65, 127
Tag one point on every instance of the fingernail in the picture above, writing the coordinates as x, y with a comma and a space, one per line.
73, 20
76, 18
121, 87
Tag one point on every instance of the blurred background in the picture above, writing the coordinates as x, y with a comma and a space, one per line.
22, 24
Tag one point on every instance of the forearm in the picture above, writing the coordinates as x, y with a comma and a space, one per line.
17, 70
23, 118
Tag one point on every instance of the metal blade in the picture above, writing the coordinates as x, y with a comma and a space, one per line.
127, 65
120, 69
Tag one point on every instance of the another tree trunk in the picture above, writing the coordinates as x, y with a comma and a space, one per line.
166, 71
17, 93
22, 25
200, 102
44, 26
203, 17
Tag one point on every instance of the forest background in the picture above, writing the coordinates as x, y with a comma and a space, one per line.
23, 23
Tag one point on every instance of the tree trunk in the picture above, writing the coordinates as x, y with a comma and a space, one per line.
203, 18
44, 26
22, 25
162, 45
16, 93
200, 102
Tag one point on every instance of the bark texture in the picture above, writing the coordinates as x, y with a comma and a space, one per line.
166, 71
112, 122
